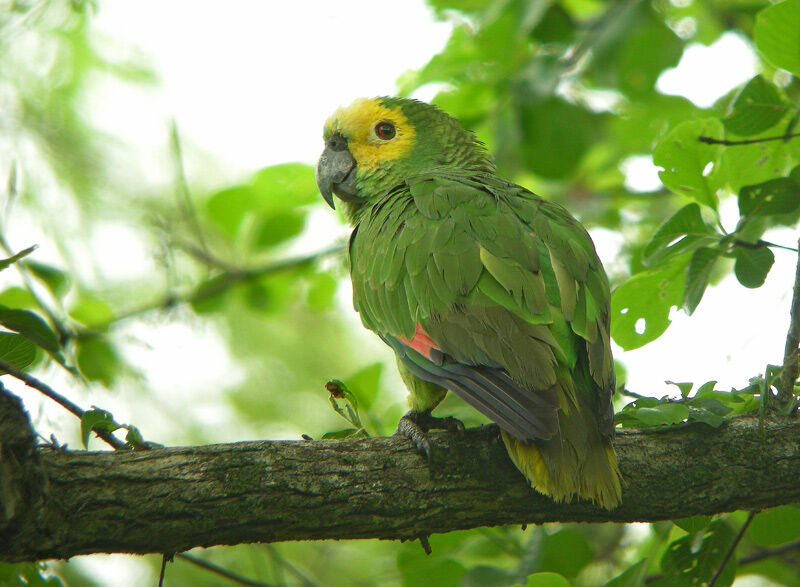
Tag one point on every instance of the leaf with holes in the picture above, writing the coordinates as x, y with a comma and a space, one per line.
757, 108
16, 350
775, 196
685, 160
693, 559
646, 299
752, 265
697, 276
777, 35
684, 231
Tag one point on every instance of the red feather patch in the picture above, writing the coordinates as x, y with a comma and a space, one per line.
421, 342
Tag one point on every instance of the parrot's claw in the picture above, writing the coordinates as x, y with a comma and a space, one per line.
415, 427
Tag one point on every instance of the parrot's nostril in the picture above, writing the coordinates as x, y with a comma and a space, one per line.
337, 143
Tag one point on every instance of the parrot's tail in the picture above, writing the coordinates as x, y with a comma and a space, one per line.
577, 462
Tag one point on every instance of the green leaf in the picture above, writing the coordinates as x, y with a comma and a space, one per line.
98, 360
775, 196
692, 561
685, 388
555, 135
19, 298
752, 265
649, 411
229, 208
31, 326
16, 350
91, 311
757, 108
633, 576
777, 35
565, 552
96, 419
697, 276
775, 526
365, 384
321, 290
647, 297
285, 186
684, 159
56, 280
5, 263
683, 231
277, 228
693, 524
546, 580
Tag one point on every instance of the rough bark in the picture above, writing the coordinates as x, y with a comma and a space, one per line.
173, 499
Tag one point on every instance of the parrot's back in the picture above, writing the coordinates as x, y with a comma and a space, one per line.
487, 290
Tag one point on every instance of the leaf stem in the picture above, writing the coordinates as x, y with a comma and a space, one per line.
728, 143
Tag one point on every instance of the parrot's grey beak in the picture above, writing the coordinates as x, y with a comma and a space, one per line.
336, 171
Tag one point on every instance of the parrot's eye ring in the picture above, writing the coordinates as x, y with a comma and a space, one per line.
385, 130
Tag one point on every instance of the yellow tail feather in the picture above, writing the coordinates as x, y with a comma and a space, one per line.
562, 474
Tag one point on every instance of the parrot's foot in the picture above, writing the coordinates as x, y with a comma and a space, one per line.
415, 427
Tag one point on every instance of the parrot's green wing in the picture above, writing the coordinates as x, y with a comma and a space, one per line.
488, 290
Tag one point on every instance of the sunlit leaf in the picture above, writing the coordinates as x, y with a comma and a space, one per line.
546, 580
685, 160
777, 35
640, 307
31, 326
683, 231
652, 412
757, 108
16, 350
91, 311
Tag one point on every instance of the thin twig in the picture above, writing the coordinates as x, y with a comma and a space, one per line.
280, 560
185, 202
222, 282
221, 571
769, 552
727, 143
715, 577
790, 357
45, 389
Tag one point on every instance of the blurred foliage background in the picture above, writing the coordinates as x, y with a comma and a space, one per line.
212, 310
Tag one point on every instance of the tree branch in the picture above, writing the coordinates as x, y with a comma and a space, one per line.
790, 352
174, 499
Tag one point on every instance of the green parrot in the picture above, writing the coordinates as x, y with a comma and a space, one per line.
481, 288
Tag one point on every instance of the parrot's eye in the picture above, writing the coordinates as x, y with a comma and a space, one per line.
385, 130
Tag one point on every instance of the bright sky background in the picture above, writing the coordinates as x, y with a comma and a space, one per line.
252, 82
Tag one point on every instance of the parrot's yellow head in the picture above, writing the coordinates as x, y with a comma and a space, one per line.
375, 144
